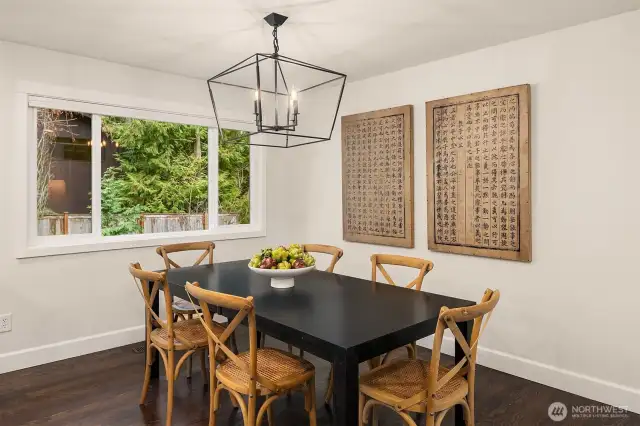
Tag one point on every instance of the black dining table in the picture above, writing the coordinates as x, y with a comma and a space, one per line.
341, 319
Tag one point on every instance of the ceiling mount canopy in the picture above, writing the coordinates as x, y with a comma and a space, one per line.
289, 102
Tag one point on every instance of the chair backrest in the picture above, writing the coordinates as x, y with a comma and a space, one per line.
378, 260
246, 309
447, 320
205, 246
149, 284
335, 252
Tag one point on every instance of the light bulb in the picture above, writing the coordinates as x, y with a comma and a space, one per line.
257, 95
294, 95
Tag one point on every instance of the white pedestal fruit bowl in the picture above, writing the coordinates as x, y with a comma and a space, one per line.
283, 278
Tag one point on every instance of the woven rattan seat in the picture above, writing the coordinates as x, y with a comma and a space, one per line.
282, 368
191, 330
401, 379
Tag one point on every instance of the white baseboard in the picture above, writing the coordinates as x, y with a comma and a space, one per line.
568, 381
39, 355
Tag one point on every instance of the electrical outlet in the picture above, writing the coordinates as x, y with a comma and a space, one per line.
5, 323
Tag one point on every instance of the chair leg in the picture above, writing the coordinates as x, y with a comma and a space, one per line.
468, 414
189, 361
270, 415
374, 416
301, 353
213, 385
147, 374
170, 381
329, 392
251, 413
263, 339
440, 417
360, 409
312, 402
234, 343
203, 365
431, 419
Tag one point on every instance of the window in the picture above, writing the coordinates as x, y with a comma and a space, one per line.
110, 176
154, 177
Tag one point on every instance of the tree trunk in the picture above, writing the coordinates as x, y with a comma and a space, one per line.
198, 149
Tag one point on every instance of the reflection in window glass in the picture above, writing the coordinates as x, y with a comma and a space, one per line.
63, 175
233, 181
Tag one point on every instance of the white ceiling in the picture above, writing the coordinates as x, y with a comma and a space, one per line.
199, 38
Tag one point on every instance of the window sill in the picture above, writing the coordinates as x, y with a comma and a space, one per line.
61, 245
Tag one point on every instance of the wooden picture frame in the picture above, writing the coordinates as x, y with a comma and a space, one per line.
395, 225
462, 110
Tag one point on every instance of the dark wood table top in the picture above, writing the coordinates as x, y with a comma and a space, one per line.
337, 311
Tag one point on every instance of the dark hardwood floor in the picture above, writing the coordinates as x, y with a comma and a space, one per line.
103, 389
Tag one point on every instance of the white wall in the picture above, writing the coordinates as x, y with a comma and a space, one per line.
569, 318
75, 304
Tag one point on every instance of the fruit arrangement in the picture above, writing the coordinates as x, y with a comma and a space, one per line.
291, 257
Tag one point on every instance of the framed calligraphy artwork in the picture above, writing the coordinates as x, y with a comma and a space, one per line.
478, 174
377, 177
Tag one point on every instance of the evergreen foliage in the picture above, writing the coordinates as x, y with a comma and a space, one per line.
162, 168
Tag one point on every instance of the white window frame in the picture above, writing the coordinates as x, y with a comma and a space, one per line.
32, 245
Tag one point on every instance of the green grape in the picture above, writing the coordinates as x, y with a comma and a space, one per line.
266, 253
255, 261
280, 254
295, 253
284, 265
309, 260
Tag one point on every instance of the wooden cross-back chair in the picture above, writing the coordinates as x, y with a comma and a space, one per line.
377, 262
183, 309
413, 385
166, 336
260, 372
206, 247
335, 252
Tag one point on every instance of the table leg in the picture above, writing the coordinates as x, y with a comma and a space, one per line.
155, 304
345, 390
465, 328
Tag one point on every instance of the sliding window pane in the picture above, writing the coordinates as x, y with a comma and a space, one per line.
154, 177
233, 180
63, 176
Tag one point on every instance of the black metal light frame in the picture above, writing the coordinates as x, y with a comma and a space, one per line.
275, 20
